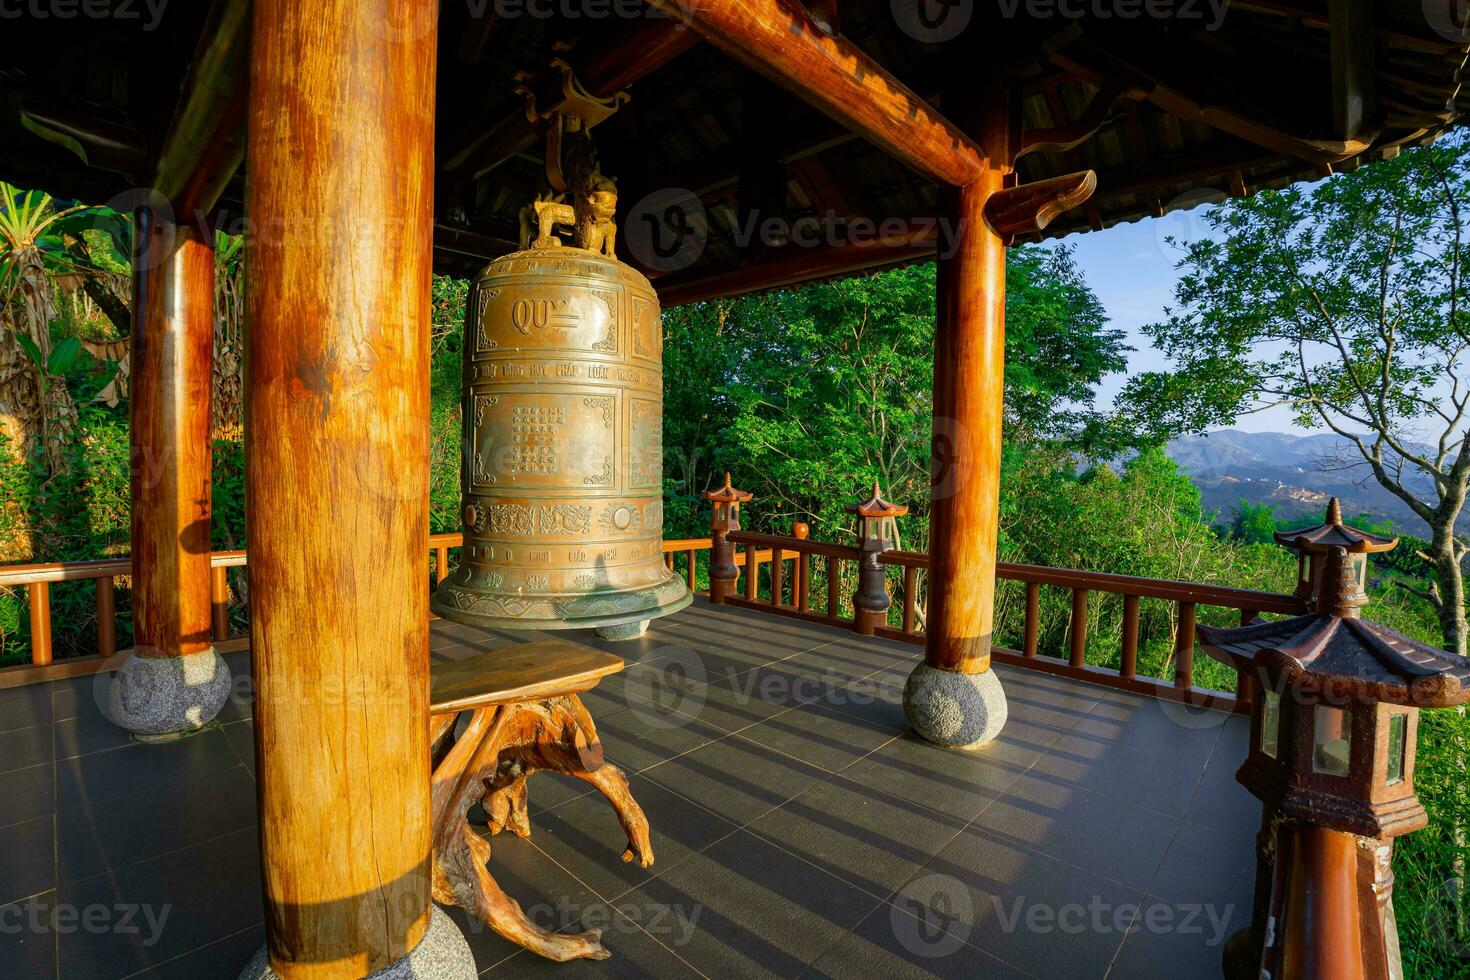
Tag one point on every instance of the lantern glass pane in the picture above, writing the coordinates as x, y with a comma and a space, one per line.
1398, 729
1271, 724
1333, 737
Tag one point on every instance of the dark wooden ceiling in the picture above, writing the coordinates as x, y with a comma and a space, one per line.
1195, 106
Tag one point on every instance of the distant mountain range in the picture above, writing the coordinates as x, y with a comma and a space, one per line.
1295, 474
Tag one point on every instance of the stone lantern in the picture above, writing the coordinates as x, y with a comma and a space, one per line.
724, 518
1334, 713
1312, 543
876, 533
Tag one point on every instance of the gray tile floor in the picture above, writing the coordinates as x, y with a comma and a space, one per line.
798, 830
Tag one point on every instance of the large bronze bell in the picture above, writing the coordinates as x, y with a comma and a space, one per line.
563, 424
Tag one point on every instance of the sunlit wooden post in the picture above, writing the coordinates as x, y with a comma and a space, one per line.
954, 698
337, 457
174, 680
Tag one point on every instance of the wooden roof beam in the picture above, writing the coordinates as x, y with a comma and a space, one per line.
1112, 67
833, 75
795, 264
205, 145
1354, 73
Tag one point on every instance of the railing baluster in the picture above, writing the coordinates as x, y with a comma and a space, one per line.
803, 579
1129, 669
1033, 618
778, 569
910, 600
219, 603
1079, 628
752, 573
1184, 647
441, 564
669, 560
834, 586
1247, 616
40, 599
689, 573
106, 617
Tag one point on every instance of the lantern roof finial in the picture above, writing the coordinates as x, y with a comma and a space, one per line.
876, 506
1335, 651
727, 494
1334, 533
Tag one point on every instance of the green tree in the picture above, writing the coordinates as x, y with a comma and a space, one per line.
1347, 302
811, 394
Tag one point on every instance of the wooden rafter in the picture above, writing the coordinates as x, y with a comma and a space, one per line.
1186, 97
781, 42
205, 145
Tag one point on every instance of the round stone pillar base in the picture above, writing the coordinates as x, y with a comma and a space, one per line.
442, 954
954, 710
623, 631
152, 696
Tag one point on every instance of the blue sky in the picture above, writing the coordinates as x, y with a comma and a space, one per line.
1131, 268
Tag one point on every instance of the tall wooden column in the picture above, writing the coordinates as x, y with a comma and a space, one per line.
341, 165
953, 698
174, 681
172, 379
969, 382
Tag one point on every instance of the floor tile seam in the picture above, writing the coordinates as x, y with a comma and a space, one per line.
190, 952
769, 839
608, 900
972, 945
807, 762
214, 725
11, 772
189, 780
1107, 796
71, 882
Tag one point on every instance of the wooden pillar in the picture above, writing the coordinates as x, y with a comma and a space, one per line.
172, 379
341, 165
969, 378
1323, 936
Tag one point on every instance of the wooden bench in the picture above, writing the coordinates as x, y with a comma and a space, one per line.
524, 716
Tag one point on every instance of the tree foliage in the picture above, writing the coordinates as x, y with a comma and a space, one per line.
1346, 301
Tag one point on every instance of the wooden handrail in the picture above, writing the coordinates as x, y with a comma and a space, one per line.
36, 579
1125, 585
759, 548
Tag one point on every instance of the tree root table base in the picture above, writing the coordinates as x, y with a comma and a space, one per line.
488, 763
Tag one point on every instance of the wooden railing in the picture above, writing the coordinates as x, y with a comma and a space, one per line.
36, 582
776, 550
791, 591
790, 594
1187, 596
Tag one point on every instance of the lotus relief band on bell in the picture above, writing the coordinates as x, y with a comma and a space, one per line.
563, 473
